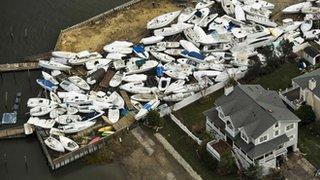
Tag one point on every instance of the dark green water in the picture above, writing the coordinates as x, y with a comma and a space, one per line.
35, 26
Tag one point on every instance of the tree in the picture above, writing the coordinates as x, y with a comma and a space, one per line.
306, 114
206, 158
253, 172
227, 165
315, 129
286, 48
277, 174
153, 119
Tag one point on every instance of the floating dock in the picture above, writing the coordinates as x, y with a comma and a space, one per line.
15, 132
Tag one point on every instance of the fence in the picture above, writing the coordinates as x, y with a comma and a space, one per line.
185, 129
212, 151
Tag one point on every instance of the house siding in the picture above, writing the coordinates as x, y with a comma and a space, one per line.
313, 101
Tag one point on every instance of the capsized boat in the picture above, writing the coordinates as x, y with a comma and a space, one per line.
47, 85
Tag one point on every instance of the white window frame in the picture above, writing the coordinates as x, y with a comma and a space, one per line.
274, 127
291, 128
262, 137
274, 133
242, 134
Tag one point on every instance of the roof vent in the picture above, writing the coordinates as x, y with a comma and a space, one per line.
270, 111
312, 84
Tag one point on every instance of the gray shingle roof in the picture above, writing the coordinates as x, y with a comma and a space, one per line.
255, 109
303, 80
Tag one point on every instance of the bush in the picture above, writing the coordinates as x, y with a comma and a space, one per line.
206, 158
253, 172
227, 165
276, 174
314, 129
153, 119
306, 114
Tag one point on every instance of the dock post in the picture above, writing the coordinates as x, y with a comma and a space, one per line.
26, 163
5, 162
6, 100
11, 33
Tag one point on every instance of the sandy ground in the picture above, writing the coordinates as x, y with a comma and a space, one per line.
128, 24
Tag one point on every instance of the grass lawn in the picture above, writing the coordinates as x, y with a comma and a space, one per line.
280, 78
309, 145
192, 115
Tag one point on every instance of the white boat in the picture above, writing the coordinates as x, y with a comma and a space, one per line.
115, 56
140, 66
42, 110
53, 65
227, 6
97, 63
134, 78
79, 82
140, 51
174, 86
136, 88
224, 76
176, 74
189, 88
137, 105
68, 143
239, 13
33, 102
205, 21
63, 54
116, 79
263, 3
116, 99
189, 46
192, 36
143, 97
119, 64
204, 4
43, 123
84, 57
163, 20
162, 57
209, 73
50, 78
73, 97
256, 10
312, 34
173, 52
296, 8
306, 25
121, 47
170, 31
113, 114
54, 144
151, 40
67, 119
28, 128
155, 48
168, 44
261, 20
176, 97
69, 86
76, 127
163, 83
152, 105
199, 16
57, 112
186, 14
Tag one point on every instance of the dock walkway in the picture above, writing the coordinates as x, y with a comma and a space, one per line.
24, 66
12, 133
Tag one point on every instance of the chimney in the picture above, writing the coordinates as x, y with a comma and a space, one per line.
312, 84
228, 90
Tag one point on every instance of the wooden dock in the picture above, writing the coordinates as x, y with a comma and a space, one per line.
106, 79
24, 66
124, 122
127, 100
15, 132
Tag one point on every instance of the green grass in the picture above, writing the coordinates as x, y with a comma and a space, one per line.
186, 147
309, 145
280, 78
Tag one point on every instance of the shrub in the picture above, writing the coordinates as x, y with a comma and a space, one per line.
206, 158
276, 174
227, 165
153, 119
306, 114
253, 172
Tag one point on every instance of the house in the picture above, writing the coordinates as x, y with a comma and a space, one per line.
309, 88
311, 54
256, 124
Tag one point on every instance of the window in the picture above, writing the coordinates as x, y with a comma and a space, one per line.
276, 125
291, 137
289, 127
263, 138
244, 137
276, 133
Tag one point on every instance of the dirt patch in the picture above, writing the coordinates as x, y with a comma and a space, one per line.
128, 24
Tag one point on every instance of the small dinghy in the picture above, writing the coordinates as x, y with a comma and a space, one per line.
174, 86
140, 66
162, 57
176, 97
176, 74
54, 144
163, 20
116, 99
239, 13
53, 65
76, 127
306, 25
170, 31
63, 54
189, 46
296, 8
55, 98
33, 102
43, 123
143, 97
173, 52
47, 85
67, 119
135, 78
28, 129
228, 7
97, 63
168, 44
116, 79
57, 112
164, 83
42, 110
136, 104
195, 56
152, 105
69, 86
79, 82
68, 143
48, 77
140, 51
186, 14
155, 48
189, 88
136, 88
151, 40
113, 114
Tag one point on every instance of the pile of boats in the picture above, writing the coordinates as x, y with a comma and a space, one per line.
188, 51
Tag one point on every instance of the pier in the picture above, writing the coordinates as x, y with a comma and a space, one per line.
15, 132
